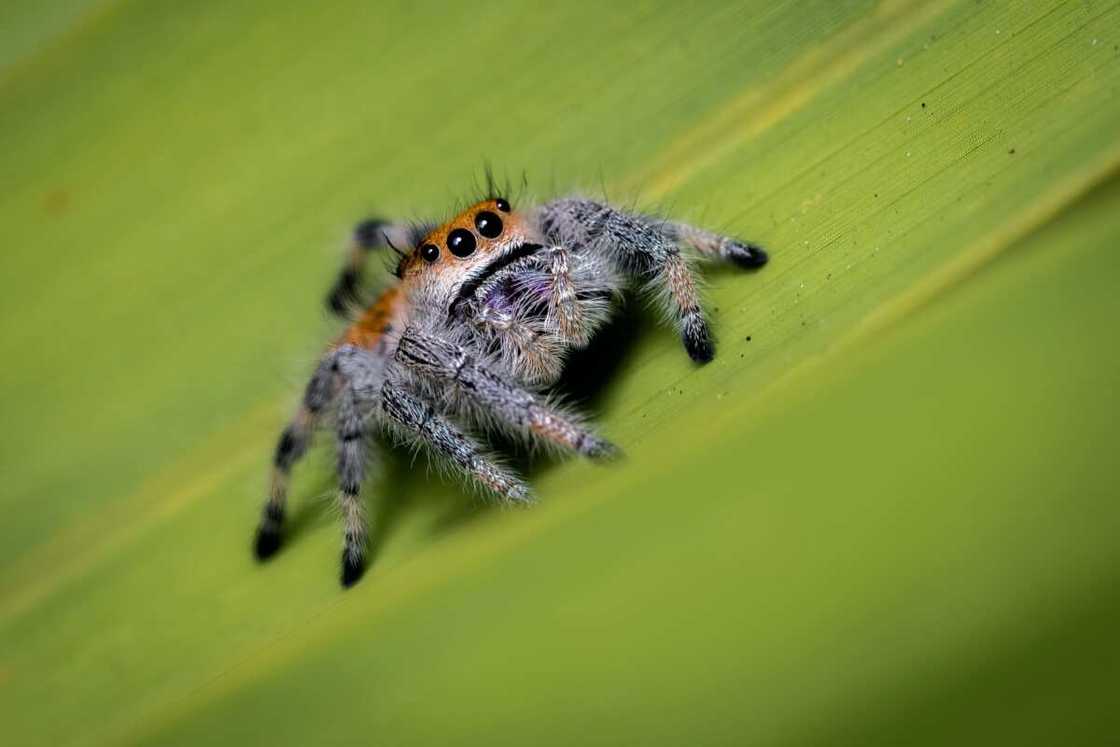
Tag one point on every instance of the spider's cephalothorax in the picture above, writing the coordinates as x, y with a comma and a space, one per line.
486, 310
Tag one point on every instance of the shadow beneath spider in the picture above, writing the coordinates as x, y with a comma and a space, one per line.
590, 371
386, 496
307, 514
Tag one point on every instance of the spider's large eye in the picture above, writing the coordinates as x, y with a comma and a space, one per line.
502, 205
488, 224
461, 242
430, 252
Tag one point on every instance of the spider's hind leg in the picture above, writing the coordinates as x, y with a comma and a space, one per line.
370, 234
292, 445
352, 457
342, 379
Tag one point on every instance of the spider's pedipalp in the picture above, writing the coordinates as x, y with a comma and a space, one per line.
525, 344
563, 301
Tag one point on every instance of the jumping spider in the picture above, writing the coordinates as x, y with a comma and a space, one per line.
486, 309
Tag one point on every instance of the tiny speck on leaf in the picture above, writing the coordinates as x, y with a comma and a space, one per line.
748, 338
923, 105
1010, 151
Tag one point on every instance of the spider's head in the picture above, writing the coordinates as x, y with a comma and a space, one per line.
454, 261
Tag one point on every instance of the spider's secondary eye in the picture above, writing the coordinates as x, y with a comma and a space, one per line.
430, 252
488, 224
502, 205
461, 242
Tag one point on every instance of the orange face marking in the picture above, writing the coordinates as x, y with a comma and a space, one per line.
447, 254
375, 322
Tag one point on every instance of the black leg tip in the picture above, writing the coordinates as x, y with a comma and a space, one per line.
352, 570
603, 451
703, 352
698, 343
747, 256
336, 304
267, 544
367, 234
344, 293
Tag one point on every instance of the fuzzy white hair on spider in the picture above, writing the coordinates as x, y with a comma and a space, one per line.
484, 312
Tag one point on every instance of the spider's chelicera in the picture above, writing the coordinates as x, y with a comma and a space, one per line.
487, 308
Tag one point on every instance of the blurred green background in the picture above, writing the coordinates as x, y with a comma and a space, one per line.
887, 513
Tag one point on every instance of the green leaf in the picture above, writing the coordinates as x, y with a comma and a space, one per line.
885, 514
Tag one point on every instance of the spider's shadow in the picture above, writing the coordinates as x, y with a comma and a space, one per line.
402, 484
393, 490
590, 371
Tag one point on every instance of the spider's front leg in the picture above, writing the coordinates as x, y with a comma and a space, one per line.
650, 250
419, 420
716, 247
370, 234
452, 365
